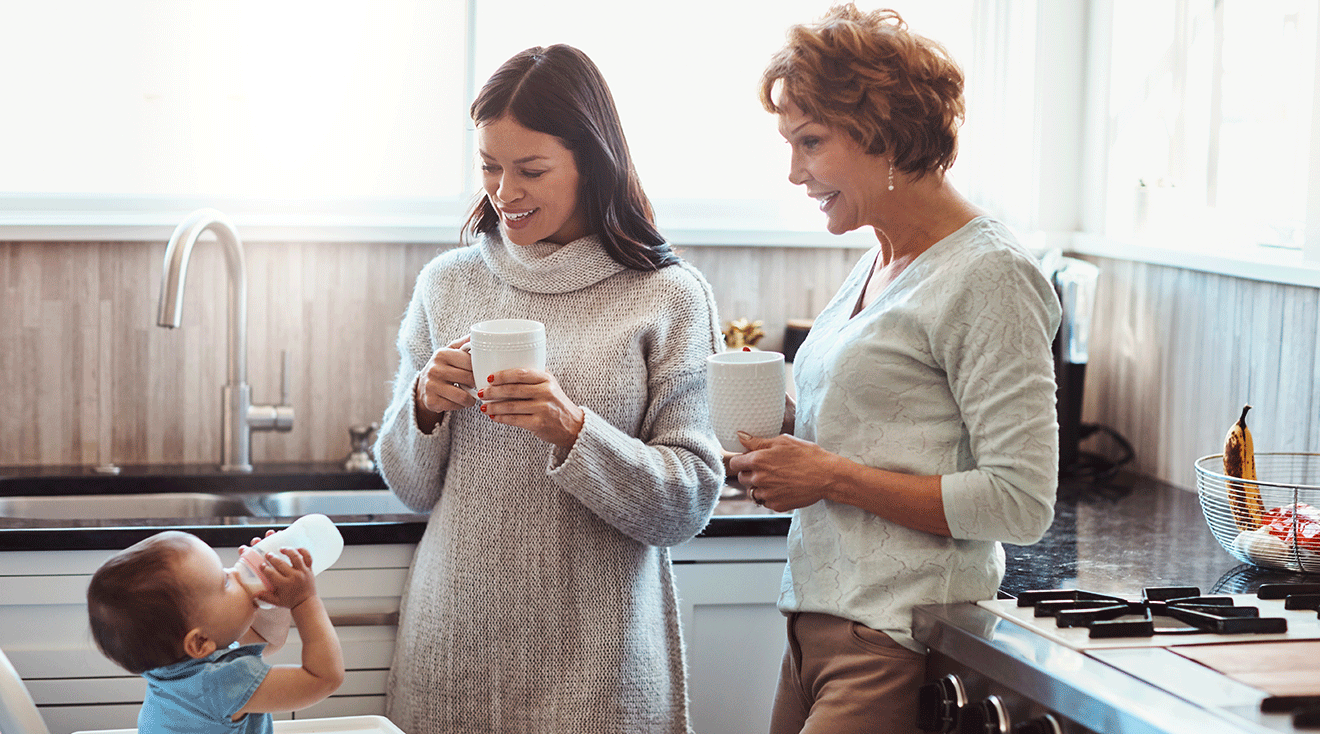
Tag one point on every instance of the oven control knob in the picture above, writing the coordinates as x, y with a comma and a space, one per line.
1046, 724
938, 704
984, 717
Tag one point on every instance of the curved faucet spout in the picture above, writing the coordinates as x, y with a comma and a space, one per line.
240, 417
175, 273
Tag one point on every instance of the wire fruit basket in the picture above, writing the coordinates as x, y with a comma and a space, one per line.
1287, 534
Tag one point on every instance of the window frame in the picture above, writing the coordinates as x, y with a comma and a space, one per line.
1066, 207
1243, 260
38, 217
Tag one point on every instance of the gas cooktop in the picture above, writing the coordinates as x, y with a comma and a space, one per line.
1165, 616
1171, 661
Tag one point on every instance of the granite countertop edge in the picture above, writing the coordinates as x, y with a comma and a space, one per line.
1115, 536
735, 515
731, 520
357, 530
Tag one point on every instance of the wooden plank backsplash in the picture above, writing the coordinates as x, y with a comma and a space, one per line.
1176, 353
89, 378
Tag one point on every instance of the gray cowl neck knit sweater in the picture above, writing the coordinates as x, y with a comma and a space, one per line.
541, 597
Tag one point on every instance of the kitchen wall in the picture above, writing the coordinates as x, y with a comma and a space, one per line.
1176, 353
89, 378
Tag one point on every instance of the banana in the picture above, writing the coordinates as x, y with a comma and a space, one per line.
1240, 462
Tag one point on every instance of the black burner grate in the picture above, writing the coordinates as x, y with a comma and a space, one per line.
1107, 616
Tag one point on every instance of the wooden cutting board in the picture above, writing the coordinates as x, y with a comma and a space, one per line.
1287, 668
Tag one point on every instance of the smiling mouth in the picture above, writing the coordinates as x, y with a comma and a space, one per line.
823, 200
520, 216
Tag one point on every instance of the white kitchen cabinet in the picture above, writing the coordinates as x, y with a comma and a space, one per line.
44, 632
727, 591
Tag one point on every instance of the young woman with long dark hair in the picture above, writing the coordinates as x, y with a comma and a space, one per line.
541, 597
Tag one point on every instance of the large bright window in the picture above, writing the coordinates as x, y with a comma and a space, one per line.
280, 111
684, 74
1210, 121
241, 99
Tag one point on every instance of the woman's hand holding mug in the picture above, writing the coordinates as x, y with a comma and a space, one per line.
444, 384
507, 363
533, 400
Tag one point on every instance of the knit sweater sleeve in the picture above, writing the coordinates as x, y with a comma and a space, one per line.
413, 463
661, 487
993, 339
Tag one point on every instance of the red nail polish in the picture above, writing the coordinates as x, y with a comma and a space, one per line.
481, 393
490, 378
483, 408
747, 349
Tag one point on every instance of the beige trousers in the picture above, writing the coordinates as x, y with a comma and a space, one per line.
841, 677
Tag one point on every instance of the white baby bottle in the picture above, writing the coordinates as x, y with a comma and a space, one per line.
316, 533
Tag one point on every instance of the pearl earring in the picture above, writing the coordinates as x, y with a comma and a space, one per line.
891, 175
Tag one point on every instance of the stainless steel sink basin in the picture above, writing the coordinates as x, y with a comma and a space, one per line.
333, 502
123, 506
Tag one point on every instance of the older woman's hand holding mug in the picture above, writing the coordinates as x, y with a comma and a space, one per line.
783, 472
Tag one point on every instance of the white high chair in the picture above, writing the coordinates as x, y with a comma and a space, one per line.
19, 715
18, 712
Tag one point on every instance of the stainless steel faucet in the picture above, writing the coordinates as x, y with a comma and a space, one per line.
239, 417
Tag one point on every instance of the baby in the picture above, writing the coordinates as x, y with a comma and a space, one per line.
167, 609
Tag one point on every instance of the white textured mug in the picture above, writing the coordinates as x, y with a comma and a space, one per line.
506, 344
746, 394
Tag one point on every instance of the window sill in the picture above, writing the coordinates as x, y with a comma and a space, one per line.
421, 221
419, 229
1253, 262
115, 219
137, 228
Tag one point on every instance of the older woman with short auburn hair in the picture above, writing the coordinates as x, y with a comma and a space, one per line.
890, 90
925, 432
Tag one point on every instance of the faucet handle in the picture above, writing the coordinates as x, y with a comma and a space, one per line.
284, 411
274, 417
284, 377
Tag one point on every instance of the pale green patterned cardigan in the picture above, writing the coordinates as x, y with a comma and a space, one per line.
948, 372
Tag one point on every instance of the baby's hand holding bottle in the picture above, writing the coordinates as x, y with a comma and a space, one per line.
289, 573
313, 531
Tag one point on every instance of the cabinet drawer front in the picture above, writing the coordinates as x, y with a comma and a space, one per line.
333, 583
731, 549
132, 689
51, 563
365, 648
129, 689
343, 706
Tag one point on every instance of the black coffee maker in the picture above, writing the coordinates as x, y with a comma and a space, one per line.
1075, 283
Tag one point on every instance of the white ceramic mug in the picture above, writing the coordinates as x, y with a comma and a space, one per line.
506, 344
746, 394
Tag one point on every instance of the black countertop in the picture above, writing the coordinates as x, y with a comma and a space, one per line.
1127, 534
1115, 538
42, 481
735, 516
